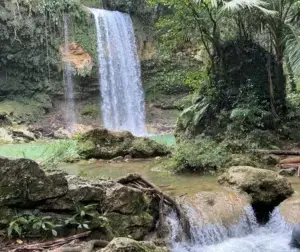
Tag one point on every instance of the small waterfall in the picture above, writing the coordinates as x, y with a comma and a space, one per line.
119, 73
71, 119
245, 236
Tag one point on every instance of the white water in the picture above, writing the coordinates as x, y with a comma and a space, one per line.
70, 116
247, 236
119, 73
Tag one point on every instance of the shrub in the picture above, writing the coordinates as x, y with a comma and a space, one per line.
203, 155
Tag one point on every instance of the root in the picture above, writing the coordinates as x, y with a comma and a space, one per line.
136, 181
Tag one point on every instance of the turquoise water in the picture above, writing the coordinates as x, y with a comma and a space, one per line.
38, 151
168, 140
44, 150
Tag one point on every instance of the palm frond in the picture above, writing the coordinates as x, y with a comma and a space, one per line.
237, 5
293, 48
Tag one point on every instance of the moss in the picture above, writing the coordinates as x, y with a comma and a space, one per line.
136, 226
91, 110
26, 110
6, 215
101, 143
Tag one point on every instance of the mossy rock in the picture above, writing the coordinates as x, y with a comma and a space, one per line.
6, 215
135, 226
23, 183
104, 144
129, 245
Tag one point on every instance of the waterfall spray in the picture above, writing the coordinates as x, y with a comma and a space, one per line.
70, 116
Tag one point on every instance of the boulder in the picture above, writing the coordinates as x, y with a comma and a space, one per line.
271, 159
23, 182
136, 225
218, 208
104, 144
5, 137
288, 172
261, 185
23, 135
116, 200
129, 245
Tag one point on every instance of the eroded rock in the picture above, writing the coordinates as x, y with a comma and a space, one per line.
265, 188
290, 209
226, 208
261, 185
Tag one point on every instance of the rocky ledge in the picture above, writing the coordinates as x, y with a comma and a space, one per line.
69, 205
265, 188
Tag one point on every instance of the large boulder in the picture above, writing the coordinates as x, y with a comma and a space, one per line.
266, 188
104, 144
23, 182
261, 185
129, 245
217, 208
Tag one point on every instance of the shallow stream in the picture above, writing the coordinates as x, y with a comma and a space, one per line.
245, 236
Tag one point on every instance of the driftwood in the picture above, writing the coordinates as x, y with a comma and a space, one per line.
278, 152
136, 181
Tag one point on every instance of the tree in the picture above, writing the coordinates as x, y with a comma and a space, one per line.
213, 21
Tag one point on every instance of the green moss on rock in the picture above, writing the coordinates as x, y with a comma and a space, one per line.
104, 144
135, 226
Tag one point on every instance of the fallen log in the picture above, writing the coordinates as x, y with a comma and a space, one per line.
136, 181
293, 160
287, 166
277, 152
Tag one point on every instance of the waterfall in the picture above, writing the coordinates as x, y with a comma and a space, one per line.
119, 73
245, 236
70, 116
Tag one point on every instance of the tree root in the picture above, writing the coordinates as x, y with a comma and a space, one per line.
136, 181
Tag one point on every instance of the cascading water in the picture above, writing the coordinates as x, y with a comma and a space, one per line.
119, 71
71, 119
246, 236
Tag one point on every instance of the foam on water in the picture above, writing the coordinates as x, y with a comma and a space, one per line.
246, 236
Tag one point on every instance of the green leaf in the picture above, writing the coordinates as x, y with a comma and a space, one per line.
54, 233
86, 226
82, 213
